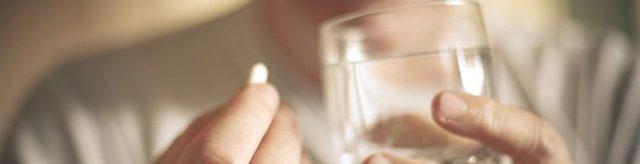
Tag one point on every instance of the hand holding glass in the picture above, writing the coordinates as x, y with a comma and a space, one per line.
382, 68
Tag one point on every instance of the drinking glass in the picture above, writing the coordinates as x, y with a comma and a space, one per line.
382, 67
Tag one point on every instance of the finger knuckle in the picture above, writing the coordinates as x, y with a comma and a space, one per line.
287, 117
543, 139
215, 156
287, 111
533, 135
490, 121
216, 150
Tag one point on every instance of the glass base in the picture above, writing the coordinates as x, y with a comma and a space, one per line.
430, 156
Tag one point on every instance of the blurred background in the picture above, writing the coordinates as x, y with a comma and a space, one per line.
593, 97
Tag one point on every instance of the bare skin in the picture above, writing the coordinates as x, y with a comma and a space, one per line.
522, 135
253, 127
271, 134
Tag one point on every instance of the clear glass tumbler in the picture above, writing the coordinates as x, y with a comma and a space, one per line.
382, 68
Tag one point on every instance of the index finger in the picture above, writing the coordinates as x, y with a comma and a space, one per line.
234, 133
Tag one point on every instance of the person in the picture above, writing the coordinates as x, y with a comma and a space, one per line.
151, 101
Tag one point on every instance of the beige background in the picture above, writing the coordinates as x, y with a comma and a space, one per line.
38, 36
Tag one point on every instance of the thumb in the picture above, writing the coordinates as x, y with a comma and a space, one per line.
527, 138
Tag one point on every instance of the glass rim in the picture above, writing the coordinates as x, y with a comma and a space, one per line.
364, 13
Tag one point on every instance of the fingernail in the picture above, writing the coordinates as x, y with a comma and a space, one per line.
378, 159
259, 74
451, 107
